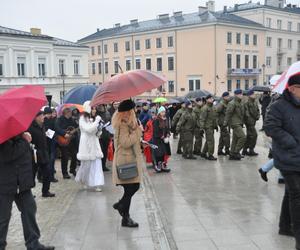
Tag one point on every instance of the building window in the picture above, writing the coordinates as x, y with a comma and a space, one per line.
254, 62
93, 68
1, 66
99, 50
289, 61
298, 46
76, 67
21, 66
171, 63
137, 45
116, 49
298, 27
238, 84
128, 65
246, 84
246, 39
269, 41
246, 61
229, 37
238, 38
289, 27
137, 63
61, 67
254, 82
279, 24
171, 86
116, 66
148, 64
92, 51
268, 61
290, 43
268, 22
147, 43
238, 61
158, 43
105, 48
229, 85
159, 64
42, 67
106, 67
229, 61
170, 42
127, 46
279, 43
254, 40
194, 84
99, 68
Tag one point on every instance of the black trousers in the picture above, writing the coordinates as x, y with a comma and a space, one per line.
27, 206
290, 210
129, 191
67, 152
45, 172
104, 143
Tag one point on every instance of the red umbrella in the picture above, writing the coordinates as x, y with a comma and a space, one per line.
123, 86
18, 108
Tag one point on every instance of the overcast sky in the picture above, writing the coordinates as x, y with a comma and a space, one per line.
74, 19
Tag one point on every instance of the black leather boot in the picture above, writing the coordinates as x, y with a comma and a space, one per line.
128, 222
118, 206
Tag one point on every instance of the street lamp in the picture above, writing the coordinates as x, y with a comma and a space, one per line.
63, 77
263, 68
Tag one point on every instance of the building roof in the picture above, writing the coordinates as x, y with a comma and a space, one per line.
251, 6
172, 22
4, 31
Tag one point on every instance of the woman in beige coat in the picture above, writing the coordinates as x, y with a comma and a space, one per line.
127, 142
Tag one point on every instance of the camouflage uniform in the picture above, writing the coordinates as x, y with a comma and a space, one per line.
175, 121
198, 130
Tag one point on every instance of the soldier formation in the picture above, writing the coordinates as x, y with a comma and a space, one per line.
229, 116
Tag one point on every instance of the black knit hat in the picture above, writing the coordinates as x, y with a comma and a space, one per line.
126, 106
295, 79
39, 113
47, 110
208, 97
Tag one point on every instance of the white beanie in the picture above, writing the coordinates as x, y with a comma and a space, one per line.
161, 109
86, 106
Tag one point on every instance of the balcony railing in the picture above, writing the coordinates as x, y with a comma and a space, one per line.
281, 51
244, 72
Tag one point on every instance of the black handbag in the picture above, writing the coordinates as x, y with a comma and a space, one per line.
127, 171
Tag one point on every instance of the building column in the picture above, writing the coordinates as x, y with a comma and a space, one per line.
32, 72
11, 62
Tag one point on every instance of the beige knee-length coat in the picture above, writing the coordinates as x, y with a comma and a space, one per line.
127, 144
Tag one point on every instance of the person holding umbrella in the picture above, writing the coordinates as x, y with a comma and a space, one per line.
16, 175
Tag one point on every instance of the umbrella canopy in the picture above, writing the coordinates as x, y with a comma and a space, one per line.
19, 107
72, 106
160, 100
80, 94
281, 83
260, 88
197, 94
126, 85
174, 101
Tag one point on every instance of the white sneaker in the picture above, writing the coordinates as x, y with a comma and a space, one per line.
97, 189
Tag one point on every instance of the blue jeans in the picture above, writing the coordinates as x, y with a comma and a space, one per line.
268, 166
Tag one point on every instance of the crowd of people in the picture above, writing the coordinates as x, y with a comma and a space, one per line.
133, 129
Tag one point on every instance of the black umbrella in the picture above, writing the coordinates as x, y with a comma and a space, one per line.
173, 101
260, 88
197, 94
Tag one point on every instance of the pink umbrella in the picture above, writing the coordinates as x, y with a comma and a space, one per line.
281, 83
126, 85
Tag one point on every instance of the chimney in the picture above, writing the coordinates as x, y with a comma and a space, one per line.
163, 16
236, 7
201, 10
210, 5
177, 14
35, 31
134, 21
98, 29
225, 9
117, 25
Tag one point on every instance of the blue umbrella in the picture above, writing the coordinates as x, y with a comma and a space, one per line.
80, 94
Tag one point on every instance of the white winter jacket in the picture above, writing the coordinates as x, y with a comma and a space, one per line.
89, 146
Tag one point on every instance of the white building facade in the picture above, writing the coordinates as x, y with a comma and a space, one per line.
32, 58
282, 23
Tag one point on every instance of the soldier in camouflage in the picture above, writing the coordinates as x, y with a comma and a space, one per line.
251, 116
198, 131
175, 121
224, 140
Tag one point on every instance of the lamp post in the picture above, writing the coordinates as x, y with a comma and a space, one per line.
263, 69
63, 77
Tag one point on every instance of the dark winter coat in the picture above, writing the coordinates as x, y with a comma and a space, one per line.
39, 139
282, 124
62, 123
264, 101
16, 173
144, 117
159, 133
106, 117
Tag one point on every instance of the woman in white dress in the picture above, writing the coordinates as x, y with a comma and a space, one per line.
90, 172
